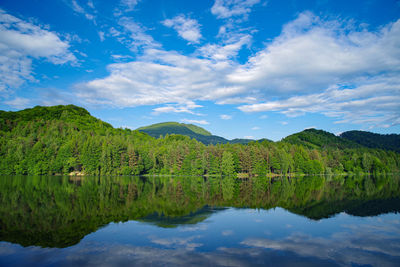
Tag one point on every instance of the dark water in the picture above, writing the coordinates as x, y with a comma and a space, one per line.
124, 221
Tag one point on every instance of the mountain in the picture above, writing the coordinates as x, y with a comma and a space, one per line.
193, 131
374, 140
72, 114
174, 127
313, 138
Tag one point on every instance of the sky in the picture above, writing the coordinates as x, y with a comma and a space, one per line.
238, 68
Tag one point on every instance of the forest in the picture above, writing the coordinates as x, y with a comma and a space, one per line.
61, 140
58, 211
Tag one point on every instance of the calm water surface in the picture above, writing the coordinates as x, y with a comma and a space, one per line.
108, 221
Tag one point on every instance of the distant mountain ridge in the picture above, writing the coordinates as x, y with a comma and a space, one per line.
165, 126
313, 138
374, 140
193, 131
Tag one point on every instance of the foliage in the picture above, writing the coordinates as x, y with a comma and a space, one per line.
58, 211
200, 134
193, 131
374, 140
314, 138
65, 139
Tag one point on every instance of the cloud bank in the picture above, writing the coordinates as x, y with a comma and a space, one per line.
316, 65
21, 42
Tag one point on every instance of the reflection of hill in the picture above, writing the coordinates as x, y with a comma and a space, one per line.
359, 208
374, 207
171, 222
59, 212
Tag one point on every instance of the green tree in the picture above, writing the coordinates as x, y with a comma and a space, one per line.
227, 164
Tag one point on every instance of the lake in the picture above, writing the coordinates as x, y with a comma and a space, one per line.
169, 221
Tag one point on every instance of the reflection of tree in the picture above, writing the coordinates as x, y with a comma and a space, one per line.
228, 187
59, 211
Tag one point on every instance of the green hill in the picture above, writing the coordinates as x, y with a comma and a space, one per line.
166, 128
77, 116
193, 131
374, 140
313, 138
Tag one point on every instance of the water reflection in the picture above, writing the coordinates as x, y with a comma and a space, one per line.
195, 221
349, 242
60, 211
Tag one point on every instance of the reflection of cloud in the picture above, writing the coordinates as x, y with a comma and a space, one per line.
368, 244
177, 242
345, 248
143, 256
127, 255
194, 228
376, 244
388, 227
227, 232
6, 249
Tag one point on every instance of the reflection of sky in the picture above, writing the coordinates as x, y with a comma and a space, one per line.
231, 237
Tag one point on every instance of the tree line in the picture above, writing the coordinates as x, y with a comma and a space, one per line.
65, 139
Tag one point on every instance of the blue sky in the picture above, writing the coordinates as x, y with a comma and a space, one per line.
250, 68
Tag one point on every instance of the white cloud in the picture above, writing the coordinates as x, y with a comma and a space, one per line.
248, 137
137, 36
311, 55
114, 32
314, 66
76, 7
18, 103
227, 51
186, 108
255, 128
234, 12
329, 70
79, 9
187, 28
90, 4
236, 100
121, 57
232, 8
284, 123
20, 42
159, 77
202, 122
225, 117
129, 4
350, 105
101, 36
125, 6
